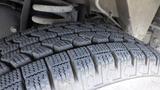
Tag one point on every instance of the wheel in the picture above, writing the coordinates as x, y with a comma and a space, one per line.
73, 56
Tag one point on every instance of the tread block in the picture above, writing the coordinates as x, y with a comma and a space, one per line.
124, 62
89, 35
150, 59
139, 62
80, 41
39, 81
85, 72
44, 35
23, 41
35, 75
29, 48
77, 40
15, 86
17, 60
11, 37
99, 39
37, 51
61, 71
50, 42
84, 67
99, 48
78, 53
95, 37
9, 48
116, 46
69, 37
33, 68
40, 52
57, 44
62, 76
3, 68
104, 63
116, 37
19, 39
9, 79
107, 34
28, 41
77, 29
9, 55
131, 46
57, 59
106, 68
154, 64
62, 45
61, 31
151, 62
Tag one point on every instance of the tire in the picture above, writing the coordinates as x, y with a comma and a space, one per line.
73, 56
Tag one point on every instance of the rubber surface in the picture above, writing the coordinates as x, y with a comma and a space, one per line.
73, 56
